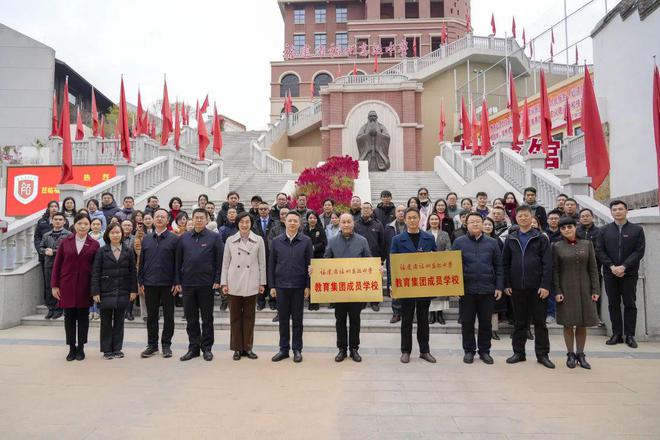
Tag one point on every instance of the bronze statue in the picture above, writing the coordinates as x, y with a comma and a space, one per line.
373, 142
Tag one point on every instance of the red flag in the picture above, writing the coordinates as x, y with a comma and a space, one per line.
525, 124
102, 128
153, 129
523, 38
141, 128
144, 124
515, 110
177, 126
475, 134
123, 124
355, 72
414, 47
656, 115
545, 118
203, 136
443, 34
205, 104
376, 64
65, 132
217, 133
513, 27
166, 113
595, 149
95, 116
80, 131
493, 31
443, 123
465, 123
468, 24
568, 118
485, 129
54, 131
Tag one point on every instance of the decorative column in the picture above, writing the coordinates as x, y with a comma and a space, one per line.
74, 191
533, 161
288, 166
127, 170
576, 186
171, 153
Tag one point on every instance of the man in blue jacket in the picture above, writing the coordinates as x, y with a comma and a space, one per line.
414, 240
288, 275
156, 280
527, 257
198, 260
483, 281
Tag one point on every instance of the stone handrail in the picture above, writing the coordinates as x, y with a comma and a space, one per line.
305, 114
548, 186
113, 186
260, 150
214, 174
513, 168
149, 175
188, 171
373, 79
572, 152
482, 164
557, 69
95, 150
17, 244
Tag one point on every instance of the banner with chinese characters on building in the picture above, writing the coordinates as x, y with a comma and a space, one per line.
30, 188
346, 280
427, 274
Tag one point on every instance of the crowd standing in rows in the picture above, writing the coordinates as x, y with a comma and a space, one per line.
520, 264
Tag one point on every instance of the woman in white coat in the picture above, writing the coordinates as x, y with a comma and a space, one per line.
243, 277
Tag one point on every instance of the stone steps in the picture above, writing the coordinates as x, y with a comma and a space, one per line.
404, 184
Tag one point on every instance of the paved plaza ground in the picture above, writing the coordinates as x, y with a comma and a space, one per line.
43, 396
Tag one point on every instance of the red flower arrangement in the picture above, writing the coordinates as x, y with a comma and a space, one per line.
332, 180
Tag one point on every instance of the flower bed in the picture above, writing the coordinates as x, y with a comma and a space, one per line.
332, 180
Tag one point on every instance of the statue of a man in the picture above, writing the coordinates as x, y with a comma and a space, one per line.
373, 142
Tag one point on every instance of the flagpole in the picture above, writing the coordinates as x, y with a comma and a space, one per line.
566, 38
468, 85
506, 64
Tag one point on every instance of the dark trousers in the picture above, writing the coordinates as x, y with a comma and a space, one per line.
526, 304
622, 289
49, 300
290, 304
352, 337
198, 300
241, 318
408, 307
155, 297
396, 307
112, 329
264, 299
477, 307
79, 318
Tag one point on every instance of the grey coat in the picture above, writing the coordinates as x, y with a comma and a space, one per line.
575, 275
244, 265
442, 241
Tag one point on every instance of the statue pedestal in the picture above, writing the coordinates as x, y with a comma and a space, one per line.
362, 185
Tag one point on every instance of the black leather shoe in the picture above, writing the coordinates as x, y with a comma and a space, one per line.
189, 355
223, 306
118, 354
297, 356
272, 306
545, 361
108, 356
149, 351
440, 318
80, 353
517, 357
208, 356
313, 307
630, 342
355, 355
615, 339
276, 318
530, 336
167, 352
129, 316
375, 307
432, 318
571, 360
72, 354
281, 355
486, 358
57, 314
468, 358
49, 314
340, 356
260, 307
250, 354
395, 319
428, 357
331, 306
405, 358
178, 301
236, 356
583, 361
495, 336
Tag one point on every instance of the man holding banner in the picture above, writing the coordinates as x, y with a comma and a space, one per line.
414, 240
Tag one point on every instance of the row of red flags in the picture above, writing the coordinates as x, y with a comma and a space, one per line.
171, 123
597, 156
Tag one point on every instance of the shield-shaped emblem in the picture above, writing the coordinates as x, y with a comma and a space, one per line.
26, 188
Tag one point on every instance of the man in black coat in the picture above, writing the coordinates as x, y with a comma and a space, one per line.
47, 250
262, 226
385, 211
538, 211
372, 229
620, 249
527, 257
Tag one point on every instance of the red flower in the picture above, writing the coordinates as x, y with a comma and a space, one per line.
334, 180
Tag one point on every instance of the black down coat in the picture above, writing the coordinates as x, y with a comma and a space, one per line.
114, 279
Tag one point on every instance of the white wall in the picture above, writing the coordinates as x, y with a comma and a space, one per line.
623, 63
27, 71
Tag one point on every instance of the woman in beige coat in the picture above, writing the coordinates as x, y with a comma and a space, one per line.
243, 277
577, 289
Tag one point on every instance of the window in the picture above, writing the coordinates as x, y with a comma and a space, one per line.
437, 9
298, 16
342, 14
319, 15
341, 40
411, 41
436, 42
385, 44
412, 9
360, 42
322, 79
299, 42
290, 83
319, 41
386, 10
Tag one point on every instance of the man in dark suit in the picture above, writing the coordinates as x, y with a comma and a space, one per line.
620, 248
262, 226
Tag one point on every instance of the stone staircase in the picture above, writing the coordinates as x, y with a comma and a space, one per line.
404, 184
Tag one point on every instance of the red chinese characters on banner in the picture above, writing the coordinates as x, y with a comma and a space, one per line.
552, 159
427, 274
363, 50
346, 280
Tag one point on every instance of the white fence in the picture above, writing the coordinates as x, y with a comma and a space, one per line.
108, 151
260, 149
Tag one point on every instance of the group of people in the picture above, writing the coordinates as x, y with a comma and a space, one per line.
519, 262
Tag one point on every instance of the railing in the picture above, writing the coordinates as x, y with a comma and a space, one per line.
188, 171
310, 112
548, 186
513, 168
149, 175
214, 173
373, 79
572, 152
96, 150
486, 163
557, 69
259, 149
17, 244
114, 186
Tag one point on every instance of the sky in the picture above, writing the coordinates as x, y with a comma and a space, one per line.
224, 47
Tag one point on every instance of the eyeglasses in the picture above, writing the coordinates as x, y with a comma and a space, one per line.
423, 194
566, 226
263, 209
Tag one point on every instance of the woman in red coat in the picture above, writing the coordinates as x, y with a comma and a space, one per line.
71, 281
